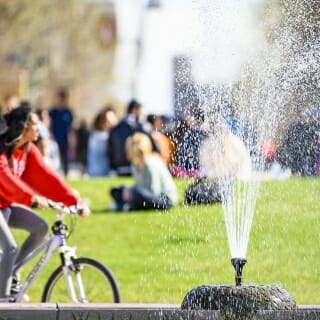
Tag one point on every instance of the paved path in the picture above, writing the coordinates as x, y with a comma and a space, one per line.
50, 311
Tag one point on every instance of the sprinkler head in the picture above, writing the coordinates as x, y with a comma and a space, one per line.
238, 264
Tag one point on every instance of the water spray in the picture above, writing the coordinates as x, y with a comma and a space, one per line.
238, 264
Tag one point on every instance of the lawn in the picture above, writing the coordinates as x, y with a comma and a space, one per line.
158, 256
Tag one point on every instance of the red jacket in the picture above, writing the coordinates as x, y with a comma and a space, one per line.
27, 175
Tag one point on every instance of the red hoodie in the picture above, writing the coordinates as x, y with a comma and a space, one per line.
27, 175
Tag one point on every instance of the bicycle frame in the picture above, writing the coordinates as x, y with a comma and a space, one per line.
57, 241
52, 245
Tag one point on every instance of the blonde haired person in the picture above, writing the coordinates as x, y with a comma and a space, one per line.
154, 187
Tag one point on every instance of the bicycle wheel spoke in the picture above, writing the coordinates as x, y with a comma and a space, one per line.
88, 274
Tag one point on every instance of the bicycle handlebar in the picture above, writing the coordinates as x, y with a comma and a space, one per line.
82, 210
63, 208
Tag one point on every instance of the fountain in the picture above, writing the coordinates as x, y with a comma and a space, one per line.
266, 84
238, 264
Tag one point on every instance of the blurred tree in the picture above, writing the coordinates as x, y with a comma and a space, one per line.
58, 42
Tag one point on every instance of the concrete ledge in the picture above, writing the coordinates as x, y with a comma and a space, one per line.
41, 311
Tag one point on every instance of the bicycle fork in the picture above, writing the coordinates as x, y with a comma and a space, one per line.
72, 274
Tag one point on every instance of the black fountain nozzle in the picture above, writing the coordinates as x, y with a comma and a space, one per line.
238, 264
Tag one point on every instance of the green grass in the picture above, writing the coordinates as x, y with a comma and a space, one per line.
157, 257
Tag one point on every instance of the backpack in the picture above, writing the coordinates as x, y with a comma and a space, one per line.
203, 191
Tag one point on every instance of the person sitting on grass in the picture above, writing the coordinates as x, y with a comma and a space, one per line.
154, 186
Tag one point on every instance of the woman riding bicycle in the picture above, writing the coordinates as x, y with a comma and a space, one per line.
25, 181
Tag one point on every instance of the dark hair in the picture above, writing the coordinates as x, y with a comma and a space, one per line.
133, 104
151, 118
25, 103
63, 94
100, 119
16, 121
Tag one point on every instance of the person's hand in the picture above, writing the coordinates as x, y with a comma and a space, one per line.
83, 208
39, 202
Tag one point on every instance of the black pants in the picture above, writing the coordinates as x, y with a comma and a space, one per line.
141, 199
63, 149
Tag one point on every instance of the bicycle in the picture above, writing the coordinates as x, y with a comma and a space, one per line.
74, 280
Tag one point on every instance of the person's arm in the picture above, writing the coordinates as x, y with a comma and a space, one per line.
71, 117
151, 175
45, 181
11, 187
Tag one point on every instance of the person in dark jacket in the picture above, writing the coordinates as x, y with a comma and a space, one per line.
61, 121
187, 138
128, 125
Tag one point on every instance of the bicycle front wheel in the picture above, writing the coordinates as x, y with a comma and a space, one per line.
86, 281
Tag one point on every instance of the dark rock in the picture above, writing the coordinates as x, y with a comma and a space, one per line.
238, 302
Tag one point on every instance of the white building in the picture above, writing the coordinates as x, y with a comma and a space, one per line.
218, 36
